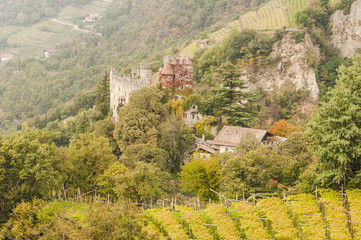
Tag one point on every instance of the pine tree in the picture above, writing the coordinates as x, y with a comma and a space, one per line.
336, 128
102, 102
238, 107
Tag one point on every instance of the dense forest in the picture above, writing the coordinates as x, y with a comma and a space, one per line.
70, 172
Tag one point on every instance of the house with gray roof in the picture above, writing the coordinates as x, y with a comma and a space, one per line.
229, 137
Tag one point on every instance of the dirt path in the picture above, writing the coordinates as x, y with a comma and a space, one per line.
75, 27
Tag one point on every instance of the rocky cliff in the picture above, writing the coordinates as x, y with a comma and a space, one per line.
290, 69
346, 30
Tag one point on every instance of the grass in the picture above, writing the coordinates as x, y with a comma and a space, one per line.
190, 49
31, 41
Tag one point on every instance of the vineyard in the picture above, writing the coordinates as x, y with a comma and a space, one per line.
273, 15
325, 215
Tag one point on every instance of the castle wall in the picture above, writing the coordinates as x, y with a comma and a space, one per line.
122, 86
182, 77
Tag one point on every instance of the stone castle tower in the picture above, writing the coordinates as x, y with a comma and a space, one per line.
177, 73
122, 86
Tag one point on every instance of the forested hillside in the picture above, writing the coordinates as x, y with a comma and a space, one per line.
132, 31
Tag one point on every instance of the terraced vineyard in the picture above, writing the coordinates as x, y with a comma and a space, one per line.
329, 217
273, 15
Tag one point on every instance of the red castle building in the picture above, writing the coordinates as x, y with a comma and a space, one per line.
177, 73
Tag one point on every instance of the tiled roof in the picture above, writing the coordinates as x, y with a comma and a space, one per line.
232, 136
6, 55
167, 69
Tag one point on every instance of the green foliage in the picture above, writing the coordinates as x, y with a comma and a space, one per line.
251, 224
226, 228
307, 215
282, 225
195, 222
345, 6
86, 159
335, 129
233, 104
312, 17
299, 36
29, 168
354, 199
168, 221
139, 119
199, 175
23, 221
143, 183
102, 101
146, 153
336, 218
117, 221
176, 140
253, 166
106, 182
248, 172
233, 44
327, 73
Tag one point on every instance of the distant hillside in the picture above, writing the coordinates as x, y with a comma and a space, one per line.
37, 31
132, 31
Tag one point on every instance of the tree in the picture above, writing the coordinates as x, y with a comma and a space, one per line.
175, 140
236, 106
148, 153
143, 183
23, 221
284, 129
135, 126
336, 129
249, 172
29, 168
86, 159
199, 176
117, 221
138, 120
102, 101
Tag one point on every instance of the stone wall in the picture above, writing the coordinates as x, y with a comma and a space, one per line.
177, 73
122, 86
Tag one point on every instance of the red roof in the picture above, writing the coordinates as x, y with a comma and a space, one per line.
167, 69
6, 55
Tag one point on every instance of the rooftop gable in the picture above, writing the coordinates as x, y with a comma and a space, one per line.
232, 136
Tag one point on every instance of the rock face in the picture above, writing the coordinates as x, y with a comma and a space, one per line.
291, 69
346, 30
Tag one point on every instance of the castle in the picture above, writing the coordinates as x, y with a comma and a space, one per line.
177, 73
122, 86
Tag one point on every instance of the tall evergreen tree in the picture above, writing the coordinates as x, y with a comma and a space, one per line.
336, 128
102, 102
238, 107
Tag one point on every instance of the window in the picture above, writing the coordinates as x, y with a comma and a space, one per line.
192, 116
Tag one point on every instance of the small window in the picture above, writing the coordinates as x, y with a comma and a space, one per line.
192, 116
